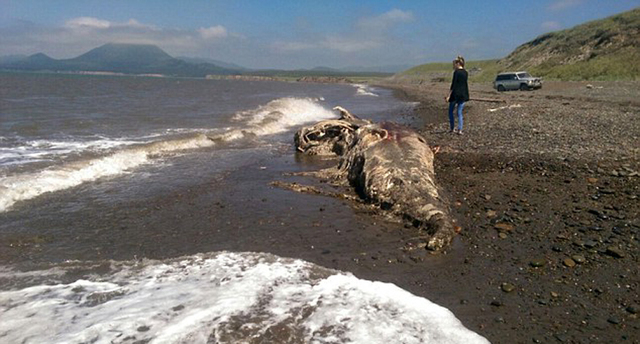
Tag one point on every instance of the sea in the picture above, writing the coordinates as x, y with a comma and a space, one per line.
128, 207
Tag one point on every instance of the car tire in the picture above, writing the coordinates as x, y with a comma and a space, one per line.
524, 87
501, 88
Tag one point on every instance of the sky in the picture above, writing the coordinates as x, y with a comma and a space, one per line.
297, 33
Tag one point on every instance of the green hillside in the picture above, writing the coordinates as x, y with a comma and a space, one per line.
606, 49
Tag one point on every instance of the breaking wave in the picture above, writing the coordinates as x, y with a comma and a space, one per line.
222, 298
364, 90
125, 155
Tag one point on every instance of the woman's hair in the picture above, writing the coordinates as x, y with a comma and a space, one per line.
459, 60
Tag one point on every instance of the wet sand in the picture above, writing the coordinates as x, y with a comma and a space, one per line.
546, 195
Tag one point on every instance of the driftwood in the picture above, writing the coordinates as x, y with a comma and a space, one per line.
389, 165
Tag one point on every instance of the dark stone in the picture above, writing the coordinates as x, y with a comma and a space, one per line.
613, 320
561, 337
615, 252
497, 303
590, 244
538, 262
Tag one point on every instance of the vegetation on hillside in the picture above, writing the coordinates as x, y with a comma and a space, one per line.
606, 49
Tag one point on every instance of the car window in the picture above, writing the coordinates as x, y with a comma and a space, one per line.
523, 75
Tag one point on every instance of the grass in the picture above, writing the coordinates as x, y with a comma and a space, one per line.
606, 49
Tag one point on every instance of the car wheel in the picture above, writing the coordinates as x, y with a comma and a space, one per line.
501, 88
524, 87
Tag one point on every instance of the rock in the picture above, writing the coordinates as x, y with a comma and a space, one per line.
633, 309
579, 259
503, 226
613, 320
538, 262
491, 213
497, 303
503, 235
561, 337
590, 244
615, 252
507, 287
592, 180
569, 262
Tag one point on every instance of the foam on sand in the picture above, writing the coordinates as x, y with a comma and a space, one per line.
225, 298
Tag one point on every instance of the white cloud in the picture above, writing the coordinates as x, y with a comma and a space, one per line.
292, 46
78, 35
212, 32
369, 33
87, 22
550, 26
560, 5
386, 20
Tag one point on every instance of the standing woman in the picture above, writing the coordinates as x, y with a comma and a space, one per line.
458, 94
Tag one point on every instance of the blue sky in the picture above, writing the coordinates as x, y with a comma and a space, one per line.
294, 34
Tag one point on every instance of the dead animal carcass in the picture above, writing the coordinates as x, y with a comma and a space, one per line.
389, 165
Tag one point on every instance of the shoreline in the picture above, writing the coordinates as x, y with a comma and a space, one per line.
523, 213
549, 244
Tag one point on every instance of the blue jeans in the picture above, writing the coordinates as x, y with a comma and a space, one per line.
451, 120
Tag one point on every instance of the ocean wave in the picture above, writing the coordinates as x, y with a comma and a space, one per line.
29, 185
224, 297
26, 151
364, 90
274, 117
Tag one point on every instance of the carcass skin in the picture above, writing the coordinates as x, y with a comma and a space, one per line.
389, 165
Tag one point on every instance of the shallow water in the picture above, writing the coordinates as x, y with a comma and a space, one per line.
97, 172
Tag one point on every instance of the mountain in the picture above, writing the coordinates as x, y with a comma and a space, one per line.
199, 60
377, 69
605, 49
120, 58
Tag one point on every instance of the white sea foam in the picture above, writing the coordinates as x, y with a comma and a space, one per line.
225, 298
26, 186
277, 116
40, 150
364, 90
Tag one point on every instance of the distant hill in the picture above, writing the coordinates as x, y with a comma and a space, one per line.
605, 49
199, 60
120, 58
377, 69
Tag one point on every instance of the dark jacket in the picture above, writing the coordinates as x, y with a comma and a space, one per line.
459, 86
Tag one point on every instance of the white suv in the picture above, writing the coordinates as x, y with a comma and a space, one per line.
516, 81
